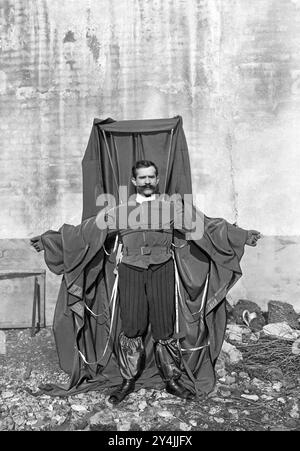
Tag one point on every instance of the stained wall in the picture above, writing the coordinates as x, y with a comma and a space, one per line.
230, 68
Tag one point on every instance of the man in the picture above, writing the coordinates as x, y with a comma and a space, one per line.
147, 283
147, 280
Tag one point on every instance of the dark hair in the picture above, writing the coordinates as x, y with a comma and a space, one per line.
143, 164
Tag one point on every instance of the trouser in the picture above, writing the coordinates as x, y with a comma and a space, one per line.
131, 357
147, 296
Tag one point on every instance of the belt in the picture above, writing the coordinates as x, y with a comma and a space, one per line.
147, 250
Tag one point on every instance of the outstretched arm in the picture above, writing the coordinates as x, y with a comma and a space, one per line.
51, 243
67, 248
253, 237
37, 243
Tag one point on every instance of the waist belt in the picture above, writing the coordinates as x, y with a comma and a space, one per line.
146, 250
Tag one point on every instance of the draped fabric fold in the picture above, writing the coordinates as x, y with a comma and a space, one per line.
87, 322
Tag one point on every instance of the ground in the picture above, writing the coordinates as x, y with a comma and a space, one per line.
245, 397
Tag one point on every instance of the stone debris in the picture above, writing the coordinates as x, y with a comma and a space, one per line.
294, 413
278, 429
102, 421
265, 418
282, 312
243, 305
296, 347
254, 337
79, 408
124, 426
229, 379
277, 386
165, 414
142, 405
7, 394
234, 332
250, 397
269, 402
244, 375
7, 424
184, 426
281, 330
193, 423
234, 413
275, 374
214, 410
231, 354
229, 311
221, 373
219, 420
225, 393
292, 424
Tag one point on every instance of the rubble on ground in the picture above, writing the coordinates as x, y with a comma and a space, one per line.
281, 330
257, 388
279, 312
243, 305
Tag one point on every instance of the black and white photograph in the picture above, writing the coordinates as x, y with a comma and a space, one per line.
150, 224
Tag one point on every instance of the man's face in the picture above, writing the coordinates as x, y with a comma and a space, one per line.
145, 181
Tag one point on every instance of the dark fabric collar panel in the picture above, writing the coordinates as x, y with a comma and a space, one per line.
138, 126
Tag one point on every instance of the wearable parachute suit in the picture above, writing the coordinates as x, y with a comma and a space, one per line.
87, 321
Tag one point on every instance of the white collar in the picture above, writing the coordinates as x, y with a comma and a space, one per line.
140, 199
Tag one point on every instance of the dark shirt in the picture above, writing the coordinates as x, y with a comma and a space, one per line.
146, 229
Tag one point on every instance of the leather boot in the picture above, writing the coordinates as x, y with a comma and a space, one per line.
127, 387
168, 361
131, 358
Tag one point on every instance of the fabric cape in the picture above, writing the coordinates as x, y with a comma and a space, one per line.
86, 321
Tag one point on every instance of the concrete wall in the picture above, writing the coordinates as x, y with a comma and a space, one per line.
231, 68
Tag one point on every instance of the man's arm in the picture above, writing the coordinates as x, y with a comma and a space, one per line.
37, 243
253, 237
67, 248
195, 222
51, 243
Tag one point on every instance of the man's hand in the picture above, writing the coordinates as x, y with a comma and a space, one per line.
36, 242
253, 237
